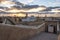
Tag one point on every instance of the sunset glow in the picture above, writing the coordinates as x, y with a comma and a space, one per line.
36, 9
15, 10
7, 3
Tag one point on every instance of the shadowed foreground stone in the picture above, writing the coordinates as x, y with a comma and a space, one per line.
45, 36
18, 33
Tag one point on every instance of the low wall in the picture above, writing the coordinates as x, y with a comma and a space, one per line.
18, 33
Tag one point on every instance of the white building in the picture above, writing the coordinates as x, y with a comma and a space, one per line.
28, 19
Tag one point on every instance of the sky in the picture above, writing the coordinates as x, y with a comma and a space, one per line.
38, 2
42, 2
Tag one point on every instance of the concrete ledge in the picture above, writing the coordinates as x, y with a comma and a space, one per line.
25, 26
18, 33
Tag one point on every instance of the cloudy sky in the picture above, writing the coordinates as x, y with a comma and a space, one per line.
40, 2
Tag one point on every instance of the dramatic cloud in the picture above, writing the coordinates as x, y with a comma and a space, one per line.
7, 3
26, 1
2, 0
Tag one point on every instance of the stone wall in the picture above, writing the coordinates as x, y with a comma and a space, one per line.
18, 33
